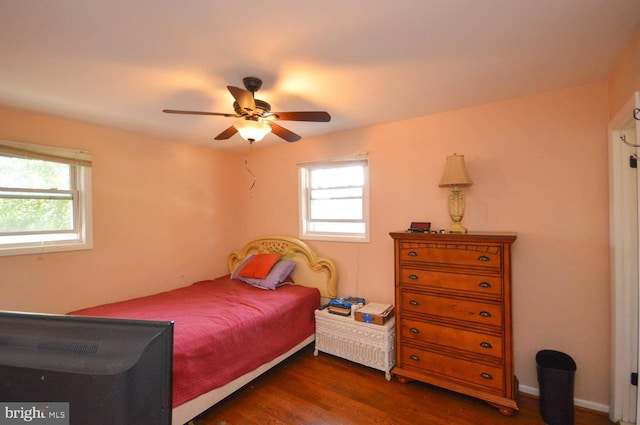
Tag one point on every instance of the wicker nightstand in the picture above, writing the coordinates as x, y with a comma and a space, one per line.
364, 343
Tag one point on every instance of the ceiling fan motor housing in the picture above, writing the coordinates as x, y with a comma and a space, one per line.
262, 108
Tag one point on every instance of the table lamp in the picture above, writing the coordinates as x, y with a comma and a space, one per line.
455, 176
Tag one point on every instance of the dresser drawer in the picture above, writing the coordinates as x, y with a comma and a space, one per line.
453, 369
475, 342
452, 254
488, 285
453, 308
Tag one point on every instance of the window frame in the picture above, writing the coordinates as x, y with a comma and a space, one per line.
304, 196
81, 236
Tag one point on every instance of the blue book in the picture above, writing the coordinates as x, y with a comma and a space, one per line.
346, 302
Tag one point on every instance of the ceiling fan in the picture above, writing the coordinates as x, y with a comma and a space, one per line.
256, 118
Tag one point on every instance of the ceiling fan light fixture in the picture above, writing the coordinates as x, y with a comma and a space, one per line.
252, 130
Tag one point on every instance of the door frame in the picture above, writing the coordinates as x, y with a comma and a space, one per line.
625, 264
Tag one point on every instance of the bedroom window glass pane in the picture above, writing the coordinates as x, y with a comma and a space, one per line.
35, 212
336, 204
334, 199
33, 174
45, 199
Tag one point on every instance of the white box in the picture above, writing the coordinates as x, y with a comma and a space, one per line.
364, 343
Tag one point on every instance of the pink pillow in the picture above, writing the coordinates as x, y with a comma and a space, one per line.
259, 266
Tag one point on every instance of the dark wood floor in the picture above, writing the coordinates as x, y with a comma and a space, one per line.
329, 390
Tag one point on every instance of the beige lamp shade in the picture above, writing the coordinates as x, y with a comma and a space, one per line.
252, 130
455, 172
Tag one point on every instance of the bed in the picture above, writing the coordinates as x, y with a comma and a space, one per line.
228, 332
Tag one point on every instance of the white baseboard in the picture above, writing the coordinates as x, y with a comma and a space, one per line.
598, 407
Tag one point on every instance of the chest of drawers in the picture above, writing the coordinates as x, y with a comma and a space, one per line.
453, 314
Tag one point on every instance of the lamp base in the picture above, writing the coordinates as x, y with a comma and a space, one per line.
457, 228
457, 205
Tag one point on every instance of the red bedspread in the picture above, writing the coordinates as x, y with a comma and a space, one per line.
223, 328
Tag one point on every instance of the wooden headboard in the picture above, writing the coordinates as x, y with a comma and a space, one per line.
311, 269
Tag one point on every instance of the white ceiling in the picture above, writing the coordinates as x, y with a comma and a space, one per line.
118, 63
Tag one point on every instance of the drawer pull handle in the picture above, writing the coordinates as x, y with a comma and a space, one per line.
486, 345
414, 330
484, 285
414, 358
484, 258
485, 314
485, 375
413, 276
414, 302
412, 254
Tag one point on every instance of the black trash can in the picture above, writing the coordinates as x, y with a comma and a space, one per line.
556, 374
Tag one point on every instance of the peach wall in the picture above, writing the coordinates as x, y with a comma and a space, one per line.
539, 166
160, 219
625, 78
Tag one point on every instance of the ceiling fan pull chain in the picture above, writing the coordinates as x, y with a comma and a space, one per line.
246, 165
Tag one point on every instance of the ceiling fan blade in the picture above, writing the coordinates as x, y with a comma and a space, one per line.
287, 135
227, 133
177, 111
318, 116
244, 98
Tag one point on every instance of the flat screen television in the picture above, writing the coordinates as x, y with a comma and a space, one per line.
109, 371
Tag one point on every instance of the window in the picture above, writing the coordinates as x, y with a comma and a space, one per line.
45, 199
334, 199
